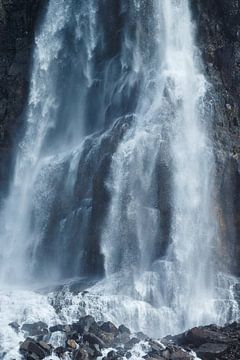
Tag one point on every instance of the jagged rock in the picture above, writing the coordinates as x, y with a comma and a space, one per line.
57, 328
35, 329
112, 355
109, 327
121, 338
179, 354
123, 329
96, 349
209, 342
107, 338
81, 354
129, 345
60, 350
30, 348
94, 340
14, 325
86, 324
210, 351
155, 346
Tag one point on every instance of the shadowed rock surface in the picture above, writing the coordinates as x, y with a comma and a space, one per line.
18, 19
88, 339
218, 34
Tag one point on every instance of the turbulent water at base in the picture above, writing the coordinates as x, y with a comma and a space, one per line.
114, 177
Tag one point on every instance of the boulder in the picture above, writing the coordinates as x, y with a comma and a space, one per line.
109, 327
124, 330
60, 350
94, 340
35, 329
210, 351
86, 324
81, 354
129, 345
30, 348
107, 338
55, 328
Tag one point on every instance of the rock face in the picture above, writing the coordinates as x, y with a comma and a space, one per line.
18, 20
212, 342
218, 34
88, 339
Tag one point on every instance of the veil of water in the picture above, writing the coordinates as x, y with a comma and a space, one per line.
114, 176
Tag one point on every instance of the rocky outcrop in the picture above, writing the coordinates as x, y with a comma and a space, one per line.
218, 34
18, 20
88, 339
212, 342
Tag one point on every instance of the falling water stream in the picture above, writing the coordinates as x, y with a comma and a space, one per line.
114, 177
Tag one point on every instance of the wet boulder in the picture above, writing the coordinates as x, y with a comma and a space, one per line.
211, 351
109, 327
35, 329
94, 340
31, 349
131, 343
122, 329
86, 324
81, 354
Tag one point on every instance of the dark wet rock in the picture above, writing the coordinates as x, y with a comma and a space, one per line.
123, 330
109, 327
31, 349
129, 345
81, 354
14, 325
218, 31
113, 355
94, 340
96, 350
107, 338
212, 342
60, 350
155, 347
121, 338
57, 328
18, 20
86, 324
35, 329
211, 351
128, 354
209, 342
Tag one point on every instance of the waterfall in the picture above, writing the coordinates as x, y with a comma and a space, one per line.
161, 230
114, 176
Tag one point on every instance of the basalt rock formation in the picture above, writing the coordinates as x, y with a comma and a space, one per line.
218, 34
18, 19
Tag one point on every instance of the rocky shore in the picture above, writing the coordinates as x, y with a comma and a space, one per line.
89, 339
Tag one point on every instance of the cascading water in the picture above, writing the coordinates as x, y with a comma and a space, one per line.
115, 173
167, 157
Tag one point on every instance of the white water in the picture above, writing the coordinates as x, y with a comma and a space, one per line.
181, 284
160, 233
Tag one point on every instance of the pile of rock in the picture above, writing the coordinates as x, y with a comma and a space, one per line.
88, 339
212, 342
